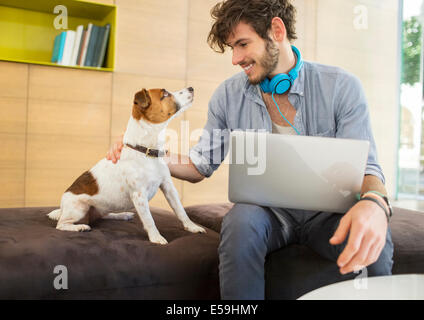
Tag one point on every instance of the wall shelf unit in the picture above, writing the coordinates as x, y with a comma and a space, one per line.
27, 29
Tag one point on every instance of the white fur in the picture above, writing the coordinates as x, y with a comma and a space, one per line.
131, 182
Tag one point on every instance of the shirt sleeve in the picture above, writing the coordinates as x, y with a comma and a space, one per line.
353, 120
213, 144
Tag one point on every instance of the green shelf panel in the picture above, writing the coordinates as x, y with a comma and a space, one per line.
27, 28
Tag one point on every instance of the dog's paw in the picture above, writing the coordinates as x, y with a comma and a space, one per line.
83, 227
55, 214
74, 227
194, 228
158, 239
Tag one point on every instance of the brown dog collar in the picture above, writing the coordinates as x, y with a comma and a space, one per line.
147, 151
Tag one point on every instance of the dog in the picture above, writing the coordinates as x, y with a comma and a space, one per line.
114, 189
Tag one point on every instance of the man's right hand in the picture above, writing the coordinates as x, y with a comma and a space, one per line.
179, 166
114, 152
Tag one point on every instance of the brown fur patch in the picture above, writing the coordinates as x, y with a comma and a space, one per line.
90, 217
154, 105
85, 183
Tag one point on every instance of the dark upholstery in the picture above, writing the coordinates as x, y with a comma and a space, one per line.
115, 259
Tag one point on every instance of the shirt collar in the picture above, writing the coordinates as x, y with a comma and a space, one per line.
299, 84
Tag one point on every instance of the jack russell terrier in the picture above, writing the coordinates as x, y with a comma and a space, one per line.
113, 189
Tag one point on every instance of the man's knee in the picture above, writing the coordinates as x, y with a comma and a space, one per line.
242, 216
242, 224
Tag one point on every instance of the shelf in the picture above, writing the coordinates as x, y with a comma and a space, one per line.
27, 29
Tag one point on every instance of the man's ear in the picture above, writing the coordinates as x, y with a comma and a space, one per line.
142, 99
278, 29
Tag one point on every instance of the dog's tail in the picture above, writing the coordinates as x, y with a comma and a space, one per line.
55, 214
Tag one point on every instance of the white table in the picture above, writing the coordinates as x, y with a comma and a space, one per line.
397, 287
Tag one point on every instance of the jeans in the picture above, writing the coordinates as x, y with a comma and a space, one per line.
250, 232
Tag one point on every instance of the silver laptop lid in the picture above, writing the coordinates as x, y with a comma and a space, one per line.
298, 172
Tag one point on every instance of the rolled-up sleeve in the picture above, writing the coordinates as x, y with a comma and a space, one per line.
353, 120
212, 147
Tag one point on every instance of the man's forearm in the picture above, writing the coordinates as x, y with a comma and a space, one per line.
373, 183
182, 168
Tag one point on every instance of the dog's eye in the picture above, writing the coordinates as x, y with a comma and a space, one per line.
135, 102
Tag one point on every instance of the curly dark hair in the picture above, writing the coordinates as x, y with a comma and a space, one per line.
257, 13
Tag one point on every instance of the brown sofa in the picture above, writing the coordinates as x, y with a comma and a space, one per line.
116, 261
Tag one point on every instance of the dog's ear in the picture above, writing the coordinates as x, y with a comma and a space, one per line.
142, 99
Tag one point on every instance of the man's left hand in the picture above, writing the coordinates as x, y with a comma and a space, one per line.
366, 224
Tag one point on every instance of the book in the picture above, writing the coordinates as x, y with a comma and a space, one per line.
84, 33
97, 46
82, 47
69, 46
55, 54
103, 47
77, 41
62, 39
85, 45
91, 45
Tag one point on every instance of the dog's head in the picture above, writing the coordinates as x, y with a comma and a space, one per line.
159, 105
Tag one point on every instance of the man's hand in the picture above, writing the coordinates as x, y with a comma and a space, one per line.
114, 152
367, 224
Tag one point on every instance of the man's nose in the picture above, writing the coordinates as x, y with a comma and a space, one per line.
237, 57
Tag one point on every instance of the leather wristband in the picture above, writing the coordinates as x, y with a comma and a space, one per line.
379, 204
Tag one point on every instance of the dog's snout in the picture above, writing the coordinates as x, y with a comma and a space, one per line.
190, 89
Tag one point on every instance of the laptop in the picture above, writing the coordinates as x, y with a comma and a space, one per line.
296, 172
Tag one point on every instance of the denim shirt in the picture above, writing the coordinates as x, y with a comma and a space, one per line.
329, 102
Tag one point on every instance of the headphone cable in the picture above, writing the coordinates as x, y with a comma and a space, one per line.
283, 115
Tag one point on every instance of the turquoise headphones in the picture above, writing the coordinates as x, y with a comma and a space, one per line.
282, 82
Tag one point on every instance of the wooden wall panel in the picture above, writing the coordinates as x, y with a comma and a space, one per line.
151, 38
69, 115
63, 84
13, 114
55, 161
13, 79
202, 62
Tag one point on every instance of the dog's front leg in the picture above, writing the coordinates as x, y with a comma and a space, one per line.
171, 195
141, 205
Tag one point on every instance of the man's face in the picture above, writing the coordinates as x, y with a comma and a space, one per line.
256, 56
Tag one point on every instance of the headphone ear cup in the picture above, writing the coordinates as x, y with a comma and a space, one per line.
265, 85
281, 83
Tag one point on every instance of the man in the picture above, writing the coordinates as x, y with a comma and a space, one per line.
322, 101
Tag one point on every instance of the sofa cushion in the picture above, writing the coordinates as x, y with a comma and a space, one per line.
408, 238
113, 260
209, 215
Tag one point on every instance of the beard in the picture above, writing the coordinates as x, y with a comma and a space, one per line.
268, 62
